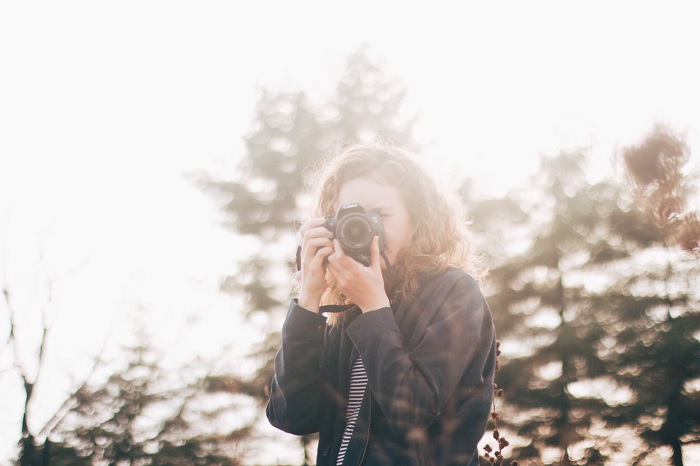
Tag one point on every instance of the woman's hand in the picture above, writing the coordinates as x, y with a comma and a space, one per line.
316, 246
364, 286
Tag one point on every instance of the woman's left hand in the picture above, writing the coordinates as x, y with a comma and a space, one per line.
364, 286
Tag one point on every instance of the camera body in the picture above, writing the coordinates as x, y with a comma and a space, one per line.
354, 228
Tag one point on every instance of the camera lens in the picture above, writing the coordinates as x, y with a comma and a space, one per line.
355, 232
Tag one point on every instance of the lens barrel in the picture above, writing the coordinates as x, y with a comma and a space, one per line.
354, 231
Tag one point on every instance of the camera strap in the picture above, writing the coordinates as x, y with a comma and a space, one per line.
333, 308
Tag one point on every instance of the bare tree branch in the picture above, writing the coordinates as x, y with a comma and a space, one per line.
6, 344
12, 338
69, 402
45, 329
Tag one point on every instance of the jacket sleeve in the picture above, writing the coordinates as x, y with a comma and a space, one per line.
295, 395
453, 337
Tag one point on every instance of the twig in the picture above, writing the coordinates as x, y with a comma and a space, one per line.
497, 458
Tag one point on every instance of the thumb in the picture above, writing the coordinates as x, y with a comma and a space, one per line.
375, 259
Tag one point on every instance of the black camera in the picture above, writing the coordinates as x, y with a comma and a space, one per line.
355, 230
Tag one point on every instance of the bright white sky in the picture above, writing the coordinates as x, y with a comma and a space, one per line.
105, 107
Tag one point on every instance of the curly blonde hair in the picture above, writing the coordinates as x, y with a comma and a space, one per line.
440, 236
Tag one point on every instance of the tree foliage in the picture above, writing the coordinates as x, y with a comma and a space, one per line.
655, 168
578, 285
291, 135
143, 415
138, 414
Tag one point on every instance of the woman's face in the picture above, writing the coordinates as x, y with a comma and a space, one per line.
386, 199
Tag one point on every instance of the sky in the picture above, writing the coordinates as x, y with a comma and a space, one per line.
106, 109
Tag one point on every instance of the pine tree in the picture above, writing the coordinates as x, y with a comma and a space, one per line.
567, 241
143, 415
653, 348
653, 351
291, 135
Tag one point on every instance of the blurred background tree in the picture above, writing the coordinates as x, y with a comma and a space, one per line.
655, 349
29, 369
595, 303
656, 169
267, 199
144, 414
564, 255
569, 275
141, 414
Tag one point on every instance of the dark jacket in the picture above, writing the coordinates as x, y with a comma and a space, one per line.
430, 368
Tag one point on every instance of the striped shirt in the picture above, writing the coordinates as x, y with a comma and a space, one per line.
358, 383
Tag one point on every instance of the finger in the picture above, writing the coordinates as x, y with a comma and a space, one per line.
337, 260
341, 258
339, 251
318, 231
313, 227
303, 236
312, 223
312, 239
321, 255
375, 259
312, 247
339, 272
312, 244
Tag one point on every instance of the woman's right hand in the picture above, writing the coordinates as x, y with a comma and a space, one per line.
316, 246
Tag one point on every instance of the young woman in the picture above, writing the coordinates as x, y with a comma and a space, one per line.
392, 362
